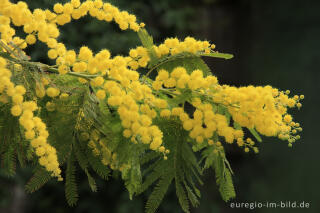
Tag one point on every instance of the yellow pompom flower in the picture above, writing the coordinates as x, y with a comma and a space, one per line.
156, 143
43, 161
70, 57
163, 75
31, 39
45, 81
133, 53
183, 116
63, 69
58, 8
82, 80
161, 103
20, 90
114, 100
79, 67
197, 115
17, 99
53, 92
127, 133
40, 151
146, 139
16, 110
101, 94
40, 92
238, 134
170, 82
287, 118
29, 134
178, 72
176, 111
85, 53
165, 113
75, 3
210, 142
157, 85
67, 8
52, 54
27, 114
145, 120
98, 81
188, 125
162, 149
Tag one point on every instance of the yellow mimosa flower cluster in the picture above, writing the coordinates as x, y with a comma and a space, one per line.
136, 119
263, 108
205, 121
171, 46
174, 46
139, 57
43, 25
180, 79
35, 129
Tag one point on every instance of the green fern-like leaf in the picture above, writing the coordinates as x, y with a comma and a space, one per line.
147, 42
226, 187
71, 191
102, 170
81, 157
192, 197
255, 134
8, 142
223, 172
150, 178
189, 61
182, 166
182, 197
149, 156
9, 162
223, 177
133, 179
92, 182
40, 177
158, 193
218, 55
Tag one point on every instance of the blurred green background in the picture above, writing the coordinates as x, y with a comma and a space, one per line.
274, 42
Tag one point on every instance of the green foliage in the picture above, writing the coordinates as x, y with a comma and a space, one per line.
218, 55
9, 161
147, 42
158, 193
10, 146
218, 162
187, 60
102, 170
40, 177
71, 186
181, 166
255, 134
92, 182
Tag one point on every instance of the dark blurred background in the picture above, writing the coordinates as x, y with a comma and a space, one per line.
274, 43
